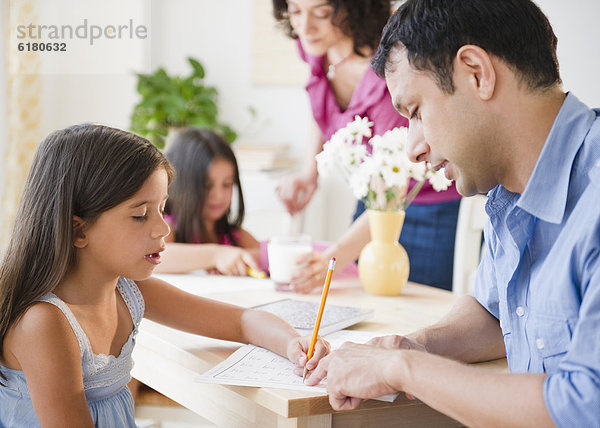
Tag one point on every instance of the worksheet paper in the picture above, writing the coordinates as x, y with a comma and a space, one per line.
302, 315
254, 366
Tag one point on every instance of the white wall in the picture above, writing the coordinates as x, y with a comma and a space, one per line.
576, 26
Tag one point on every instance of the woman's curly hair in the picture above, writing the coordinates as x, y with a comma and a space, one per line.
361, 20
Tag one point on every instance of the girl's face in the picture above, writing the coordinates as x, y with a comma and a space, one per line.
311, 21
127, 240
219, 189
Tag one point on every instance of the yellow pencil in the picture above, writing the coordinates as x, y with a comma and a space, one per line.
313, 340
255, 273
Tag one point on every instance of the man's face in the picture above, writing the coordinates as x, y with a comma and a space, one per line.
447, 130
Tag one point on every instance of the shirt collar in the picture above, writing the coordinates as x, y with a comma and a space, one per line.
545, 195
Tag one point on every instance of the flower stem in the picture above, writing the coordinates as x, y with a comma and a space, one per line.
413, 192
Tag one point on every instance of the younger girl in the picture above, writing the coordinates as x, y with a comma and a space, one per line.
202, 234
75, 282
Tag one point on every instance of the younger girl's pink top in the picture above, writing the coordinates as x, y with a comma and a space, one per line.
371, 99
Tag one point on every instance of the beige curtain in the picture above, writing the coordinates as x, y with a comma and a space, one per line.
23, 114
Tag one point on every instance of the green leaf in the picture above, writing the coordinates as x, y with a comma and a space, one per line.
198, 69
229, 134
253, 112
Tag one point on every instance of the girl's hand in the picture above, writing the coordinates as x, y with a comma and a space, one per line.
234, 261
297, 350
312, 275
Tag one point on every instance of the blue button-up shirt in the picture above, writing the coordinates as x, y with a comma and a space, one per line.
540, 273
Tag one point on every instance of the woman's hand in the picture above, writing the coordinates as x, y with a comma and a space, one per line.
234, 260
297, 351
296, 191
312, 274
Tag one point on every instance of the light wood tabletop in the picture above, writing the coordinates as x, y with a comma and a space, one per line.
169, 360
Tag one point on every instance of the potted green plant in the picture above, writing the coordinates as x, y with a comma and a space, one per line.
176, 101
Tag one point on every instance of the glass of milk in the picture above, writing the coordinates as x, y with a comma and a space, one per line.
284, 253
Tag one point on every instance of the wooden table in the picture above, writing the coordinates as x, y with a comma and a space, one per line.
168, 360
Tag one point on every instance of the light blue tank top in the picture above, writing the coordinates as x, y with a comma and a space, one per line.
105, 377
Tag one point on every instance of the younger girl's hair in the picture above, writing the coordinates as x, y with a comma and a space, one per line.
83, 171
361, 20
192, 153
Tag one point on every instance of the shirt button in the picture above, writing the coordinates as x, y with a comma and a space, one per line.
539, 343
520, 311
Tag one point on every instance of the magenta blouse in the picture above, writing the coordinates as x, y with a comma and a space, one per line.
370, 98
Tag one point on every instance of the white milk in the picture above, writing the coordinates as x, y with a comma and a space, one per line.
283, 256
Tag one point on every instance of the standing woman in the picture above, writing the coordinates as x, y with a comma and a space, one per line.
337, 38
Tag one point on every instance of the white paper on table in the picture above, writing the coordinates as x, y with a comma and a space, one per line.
302, 315
214, 283
255, 366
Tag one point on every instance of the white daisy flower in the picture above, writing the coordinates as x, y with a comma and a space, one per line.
379, 178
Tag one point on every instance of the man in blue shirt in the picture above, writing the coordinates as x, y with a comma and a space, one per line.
479, 81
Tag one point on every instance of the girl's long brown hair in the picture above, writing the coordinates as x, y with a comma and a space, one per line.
79, 171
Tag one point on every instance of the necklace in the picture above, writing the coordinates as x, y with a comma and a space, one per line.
331, 68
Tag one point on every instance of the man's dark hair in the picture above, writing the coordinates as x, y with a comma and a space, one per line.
432, 31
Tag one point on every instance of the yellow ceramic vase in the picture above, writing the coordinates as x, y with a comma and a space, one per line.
383, 264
